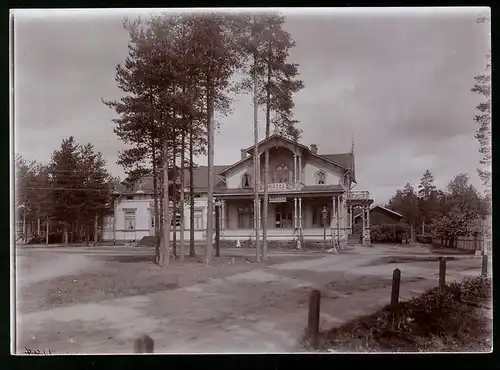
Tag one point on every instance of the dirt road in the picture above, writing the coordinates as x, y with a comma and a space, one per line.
262, 310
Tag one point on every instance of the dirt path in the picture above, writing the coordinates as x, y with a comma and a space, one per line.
263, 310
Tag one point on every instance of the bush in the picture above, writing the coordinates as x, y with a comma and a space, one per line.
389, 233
435, 320
55, 237
424, 238
476, 290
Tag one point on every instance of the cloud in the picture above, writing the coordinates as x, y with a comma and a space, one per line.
398, 81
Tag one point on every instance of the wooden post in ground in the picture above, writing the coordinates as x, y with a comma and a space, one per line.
484, 265
442, 273
396, 282
313, 321
144, 344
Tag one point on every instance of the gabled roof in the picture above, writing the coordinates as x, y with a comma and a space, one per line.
200, 181
343, 160
384, 209
249, 150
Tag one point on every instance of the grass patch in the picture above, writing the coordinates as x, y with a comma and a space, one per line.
438, 321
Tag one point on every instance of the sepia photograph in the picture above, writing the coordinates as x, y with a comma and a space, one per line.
251, 180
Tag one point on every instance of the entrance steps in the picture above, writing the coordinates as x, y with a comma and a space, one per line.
354, 239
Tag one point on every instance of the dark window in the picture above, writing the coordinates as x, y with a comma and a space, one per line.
130, 197
282, 173
246, 180
320, 178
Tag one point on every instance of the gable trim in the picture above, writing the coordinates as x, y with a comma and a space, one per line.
250, 148
233, 165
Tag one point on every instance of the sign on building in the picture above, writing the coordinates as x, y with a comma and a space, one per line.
277, 199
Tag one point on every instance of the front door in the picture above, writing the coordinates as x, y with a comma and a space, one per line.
284, 214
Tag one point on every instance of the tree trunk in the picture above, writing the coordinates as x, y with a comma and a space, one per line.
96, 228
174, 202
210, 195
71, 234
162, 214
181, 196
166, 206
87, 235
156, 215
81, 231
266, 164
38, 227
192, 251
25, 228
256, 160
47, 232
65, 236
423, 226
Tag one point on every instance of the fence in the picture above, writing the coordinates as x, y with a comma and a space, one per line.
315, 298
471, 243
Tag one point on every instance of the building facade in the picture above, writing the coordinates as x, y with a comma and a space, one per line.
309, 194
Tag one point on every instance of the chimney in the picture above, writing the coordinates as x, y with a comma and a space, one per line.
314, 148
243, 153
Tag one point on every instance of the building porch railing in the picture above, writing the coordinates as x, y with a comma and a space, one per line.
358, 195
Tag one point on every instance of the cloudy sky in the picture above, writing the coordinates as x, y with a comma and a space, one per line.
398, 80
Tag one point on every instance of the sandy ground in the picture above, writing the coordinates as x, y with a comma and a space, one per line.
254, 308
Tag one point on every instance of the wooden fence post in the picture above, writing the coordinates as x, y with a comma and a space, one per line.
144, 344
314, 309
484, 265
396, 282
442, 273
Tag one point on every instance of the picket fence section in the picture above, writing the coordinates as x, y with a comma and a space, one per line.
471, 243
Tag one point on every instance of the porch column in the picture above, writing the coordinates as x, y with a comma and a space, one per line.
366, 226
223, 214
294, 167
351, 226
295, 213
300, 212
363, 220
337, 226
332, 213
300, 169
260, 214
255, 214
341, 213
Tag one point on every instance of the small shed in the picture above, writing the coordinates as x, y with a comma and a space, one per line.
380, 216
